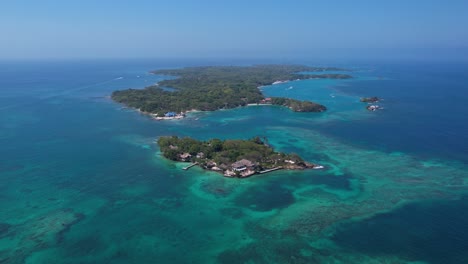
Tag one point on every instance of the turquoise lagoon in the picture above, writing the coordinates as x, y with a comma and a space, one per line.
82, 180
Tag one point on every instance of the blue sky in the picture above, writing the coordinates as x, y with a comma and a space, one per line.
234, 29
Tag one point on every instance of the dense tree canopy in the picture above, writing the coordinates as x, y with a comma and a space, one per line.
224, 152
212, 88
298, 106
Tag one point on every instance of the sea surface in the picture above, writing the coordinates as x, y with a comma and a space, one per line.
82, 180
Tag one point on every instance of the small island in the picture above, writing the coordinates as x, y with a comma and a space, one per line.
373, 107
232, 158
373, 99
220, 87
294, 105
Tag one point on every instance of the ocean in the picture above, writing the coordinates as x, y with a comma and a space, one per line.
82, 180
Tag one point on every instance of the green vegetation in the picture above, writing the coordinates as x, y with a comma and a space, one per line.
370, 99
222, 155
212, 88
298, 106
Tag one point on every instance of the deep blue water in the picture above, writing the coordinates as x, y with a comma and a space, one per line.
433, 231
425, 109
70, 155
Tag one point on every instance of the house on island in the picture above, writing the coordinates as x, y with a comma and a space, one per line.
242, 168
210, 164
266, 101
242, 165
185, 156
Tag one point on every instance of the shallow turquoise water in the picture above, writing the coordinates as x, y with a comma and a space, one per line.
83, 182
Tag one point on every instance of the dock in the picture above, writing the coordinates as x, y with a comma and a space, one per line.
270, 170
190, 166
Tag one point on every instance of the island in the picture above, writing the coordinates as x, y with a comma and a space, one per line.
232, 158
373, 107
373, 99
220, 87
295, 105
370, 100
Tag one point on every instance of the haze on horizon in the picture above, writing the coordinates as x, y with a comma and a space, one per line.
421, 30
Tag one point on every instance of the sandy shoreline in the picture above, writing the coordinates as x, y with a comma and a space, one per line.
259, 105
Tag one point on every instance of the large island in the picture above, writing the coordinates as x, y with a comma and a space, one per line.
232, 158
221, 87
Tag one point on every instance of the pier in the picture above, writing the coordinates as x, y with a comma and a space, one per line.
270, 170
190, 166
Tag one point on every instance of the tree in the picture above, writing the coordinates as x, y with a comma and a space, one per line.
212, 88
216, 144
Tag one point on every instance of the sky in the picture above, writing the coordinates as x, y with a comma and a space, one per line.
59, 29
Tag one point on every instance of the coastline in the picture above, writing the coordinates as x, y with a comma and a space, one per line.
229, 172
244, 89
232, 158
183, 115
257, 105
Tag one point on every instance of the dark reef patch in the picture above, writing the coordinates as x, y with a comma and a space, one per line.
280, 250
85, 246
232, 212
4, 229
11, 167
272, 195
341, 182
68, 225
435, 232
216, 187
